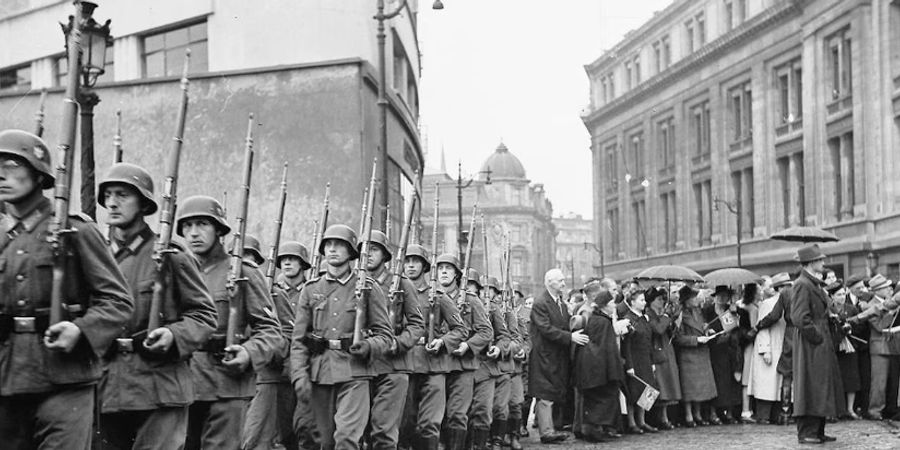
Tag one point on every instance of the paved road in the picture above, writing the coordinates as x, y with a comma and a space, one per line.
851, 435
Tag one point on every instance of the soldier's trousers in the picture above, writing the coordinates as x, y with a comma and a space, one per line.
162, 429
341, 412
269, 421
482, 405
56, 420
460, 388
426, 400
388, 398
305, 425
502, 388
516, 398
216, 424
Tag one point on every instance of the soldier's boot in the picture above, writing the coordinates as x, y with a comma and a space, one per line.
498, 434
511, 439
431, 443
480, 438
456, 439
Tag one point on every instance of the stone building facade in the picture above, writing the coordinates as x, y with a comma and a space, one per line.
788, 110
514, 208
576, 253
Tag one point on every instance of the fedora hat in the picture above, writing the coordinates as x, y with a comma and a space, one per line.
780, 279
809, 253
878, 282
856, 279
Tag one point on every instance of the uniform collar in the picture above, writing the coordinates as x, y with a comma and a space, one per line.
216, 255
287, 285
132, 245
30, 220
343, 280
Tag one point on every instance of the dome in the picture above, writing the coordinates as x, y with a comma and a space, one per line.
503, 165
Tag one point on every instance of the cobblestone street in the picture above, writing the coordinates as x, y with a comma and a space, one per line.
850, 435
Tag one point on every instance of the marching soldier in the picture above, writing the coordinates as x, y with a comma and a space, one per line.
392, 369
147, 386
503, 391
224, 375
517, 416
523, 315
489, 374
252, 252
48, 371
327, 368
427, 398
461, 380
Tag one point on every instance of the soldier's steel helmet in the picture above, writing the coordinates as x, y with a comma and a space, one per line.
342, 233
131, 175
449, 258
251, 244
492, 282
419, 252
380, 239
293, 248
30, 148
474, 277
202, 206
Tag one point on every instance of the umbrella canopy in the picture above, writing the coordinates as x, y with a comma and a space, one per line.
732, 276
804, 234
669, 273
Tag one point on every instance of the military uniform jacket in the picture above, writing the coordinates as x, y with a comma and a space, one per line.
211, 380
94, 285
508, 364
478, 328
131, 382
523, 318
285, 297
327, 309
487, 367
451, 330
407, 329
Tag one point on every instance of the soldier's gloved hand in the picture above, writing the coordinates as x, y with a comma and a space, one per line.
302, 388
520, 355
493, 352
236, 359
434, 346
462, 349
62, 336
159, 340
361, 349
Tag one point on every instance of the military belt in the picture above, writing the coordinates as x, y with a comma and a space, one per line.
317, 344
22, 325
125, 345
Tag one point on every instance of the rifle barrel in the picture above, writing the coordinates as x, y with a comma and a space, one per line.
235, 275
276, 238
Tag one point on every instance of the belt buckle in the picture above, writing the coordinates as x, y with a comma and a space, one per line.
24, 325
334, 344
125, 345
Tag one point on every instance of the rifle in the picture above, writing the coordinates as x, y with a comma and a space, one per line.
276, 239
235, 274
321, 225
433, 313
362, 280
169, 202
464, 279
59, 225
397, 270
387, 222
507, 279
117, 139
39, 115
484, 240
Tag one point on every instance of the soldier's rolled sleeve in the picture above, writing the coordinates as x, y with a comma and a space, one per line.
265, 337
299, 356
377, 321
456, 329
415, 322
199, 317
111, 304
483, 333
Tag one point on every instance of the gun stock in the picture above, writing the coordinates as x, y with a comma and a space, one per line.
397, 270
362, 285
434, 312
235, 274
276, 238
321, 225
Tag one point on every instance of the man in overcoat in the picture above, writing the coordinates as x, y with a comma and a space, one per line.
548, 376
817, 379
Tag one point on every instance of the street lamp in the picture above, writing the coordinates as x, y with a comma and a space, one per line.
734, 208
599, 250
95, 39
461, 238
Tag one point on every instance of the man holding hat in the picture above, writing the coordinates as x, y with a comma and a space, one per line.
148, 385
224, 376
48, 370
327, 367
817, 380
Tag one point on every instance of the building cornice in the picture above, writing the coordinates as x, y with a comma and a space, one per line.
727, 42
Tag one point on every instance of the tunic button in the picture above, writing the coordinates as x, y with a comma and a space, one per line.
21, 303
333, 314
335, 299
334, 329
20, 277
20, 252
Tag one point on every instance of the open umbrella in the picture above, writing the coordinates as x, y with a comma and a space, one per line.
804, 234
669, 273
732, 276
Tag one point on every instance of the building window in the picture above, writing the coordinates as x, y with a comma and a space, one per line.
669, 233
628, 75
665, 142
612, 224
689, 36
703, 212
700, 129
636, 160
637, 70
517, 266
839, 62
611, 162
842, 164
735, 13
164, 51
742, 186
740, 117
16, 78
790, 92
62, 68
793, 191
639, 211
662, 54
657, 57
700, 19
894, 41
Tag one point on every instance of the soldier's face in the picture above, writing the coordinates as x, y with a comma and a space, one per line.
201, 234
446, 274
414, 267
17, 179
290, 266
377, 257
336, 252
123, 203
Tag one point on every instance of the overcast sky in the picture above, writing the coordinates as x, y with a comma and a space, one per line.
513, 70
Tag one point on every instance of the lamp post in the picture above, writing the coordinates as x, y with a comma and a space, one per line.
95, 40
734, 208
461, 238
599, 250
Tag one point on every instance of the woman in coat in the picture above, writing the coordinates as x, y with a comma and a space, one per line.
725, 354
848, 360
637, 347
599, 371
692, 353
765, 381
661, 313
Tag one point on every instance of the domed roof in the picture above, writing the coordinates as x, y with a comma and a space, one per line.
502, 164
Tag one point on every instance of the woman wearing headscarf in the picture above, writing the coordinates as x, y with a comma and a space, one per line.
692, 353
599, 371
662, 314
637, 347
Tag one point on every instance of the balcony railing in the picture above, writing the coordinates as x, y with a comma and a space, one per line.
840, 104
787, 128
